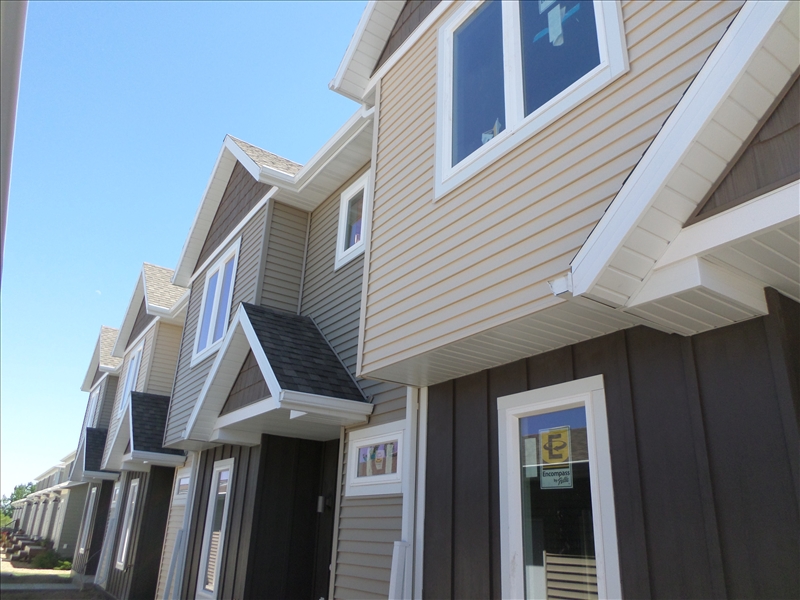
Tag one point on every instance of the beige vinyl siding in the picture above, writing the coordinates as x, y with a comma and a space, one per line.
367, 529
71, 524
105, 403
177, 510
189, 380
283, 268
481, 255
146, 343
165, 357
333, 299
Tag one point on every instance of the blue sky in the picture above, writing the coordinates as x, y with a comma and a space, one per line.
122, 111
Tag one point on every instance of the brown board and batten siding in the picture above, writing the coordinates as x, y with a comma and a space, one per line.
140, 323
86, 563
703, 436
189, 380
140, 578
368, 526
482, 254
165, 356
240, 196
105, 404
283, 266
770, 160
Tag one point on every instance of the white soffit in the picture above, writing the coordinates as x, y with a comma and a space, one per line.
366, 47
285, 412
722, 108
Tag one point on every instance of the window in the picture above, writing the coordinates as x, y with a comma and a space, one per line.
556, 496
87, 522
182, 487
352, 221
216, 306
90, 420
375, 460
127, 521
508, 69
130, 378
214, 533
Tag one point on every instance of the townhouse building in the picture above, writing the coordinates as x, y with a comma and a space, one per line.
138, 501
584, 255
266, 378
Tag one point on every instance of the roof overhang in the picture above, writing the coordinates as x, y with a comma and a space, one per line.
752, 65
96, 363
175, 314
348, 150
284, 412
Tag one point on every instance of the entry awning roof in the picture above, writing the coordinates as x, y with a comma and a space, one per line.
311, 394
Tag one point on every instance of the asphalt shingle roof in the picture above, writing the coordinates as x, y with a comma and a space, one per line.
159, 288
301, 358
95, 444
148, 419
267, 159
108, 337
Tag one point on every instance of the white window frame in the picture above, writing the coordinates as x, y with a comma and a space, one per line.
88, 520
219, 466
345, 255
217, 267
518, 128
130, 384
94, 396
590, 394
127, 522
377, 484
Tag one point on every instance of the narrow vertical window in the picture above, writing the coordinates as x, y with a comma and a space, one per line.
478, 80
87, 521
214, 534
130, 378
127, 521
216, 308
352, 227
556, 495
559, 46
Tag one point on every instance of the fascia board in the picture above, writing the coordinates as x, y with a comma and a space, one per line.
326, 405
235, 335
355, 41
92, 476
158, 459
130, 317
94, 364
202, 221
707, 92
774, 209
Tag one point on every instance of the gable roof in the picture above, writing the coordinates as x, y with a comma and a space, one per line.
102, 358
749, 68
302, 186
160, 298
311, 392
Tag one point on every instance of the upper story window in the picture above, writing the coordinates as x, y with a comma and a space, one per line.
508, 69
216, 306
352, 219
130, 378
90, 416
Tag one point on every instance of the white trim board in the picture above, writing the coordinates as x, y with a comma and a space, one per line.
741, 44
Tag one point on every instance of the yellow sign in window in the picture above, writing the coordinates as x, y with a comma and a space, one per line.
556, 451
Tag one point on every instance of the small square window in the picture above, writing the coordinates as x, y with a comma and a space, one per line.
217, 298
352, 221
183, 486
375, 460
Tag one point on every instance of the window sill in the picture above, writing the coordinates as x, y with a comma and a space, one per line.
211, 350
349, 255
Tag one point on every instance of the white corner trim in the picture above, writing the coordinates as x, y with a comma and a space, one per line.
707, 92
773, 209
695, 272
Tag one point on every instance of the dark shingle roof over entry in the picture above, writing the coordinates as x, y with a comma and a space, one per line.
148, 418
301, 358
95, 444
